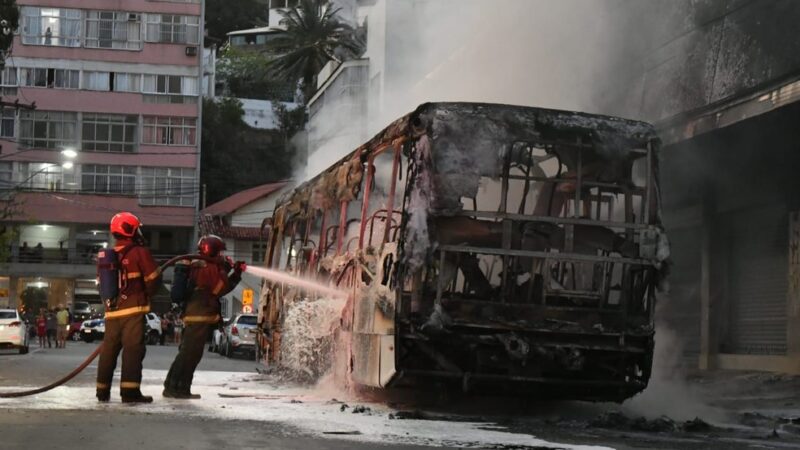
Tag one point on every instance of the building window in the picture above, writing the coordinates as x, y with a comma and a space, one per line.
48, 129
34, 77
169, 89
97, 81
102, 179
46, 176
169, 130
259, 252
6, 173
51, 26
116, 30
8, 81
8, 122
173, 29
109, 133
50, 78
167, 186
162, 84
126, 82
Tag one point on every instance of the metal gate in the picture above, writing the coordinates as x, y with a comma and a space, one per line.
758, 244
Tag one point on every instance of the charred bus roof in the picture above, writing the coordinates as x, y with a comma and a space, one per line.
475, 135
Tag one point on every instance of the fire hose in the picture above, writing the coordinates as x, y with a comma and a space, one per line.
96, 352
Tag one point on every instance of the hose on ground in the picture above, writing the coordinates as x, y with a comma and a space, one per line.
96, 352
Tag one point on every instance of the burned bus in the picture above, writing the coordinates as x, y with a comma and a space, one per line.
488, 247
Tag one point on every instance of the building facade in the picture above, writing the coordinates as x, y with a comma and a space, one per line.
101, 113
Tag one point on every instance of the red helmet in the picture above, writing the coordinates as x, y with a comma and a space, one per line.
210, 245
125, 224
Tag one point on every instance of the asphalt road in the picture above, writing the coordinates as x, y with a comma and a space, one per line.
243, 409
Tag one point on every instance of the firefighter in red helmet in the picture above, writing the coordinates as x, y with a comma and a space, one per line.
138, 280
208, 279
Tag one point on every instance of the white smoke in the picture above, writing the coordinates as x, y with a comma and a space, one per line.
567, 54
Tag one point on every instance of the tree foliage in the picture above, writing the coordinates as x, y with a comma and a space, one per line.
224, 16
246, 74
9, 21
234, 155
313, 36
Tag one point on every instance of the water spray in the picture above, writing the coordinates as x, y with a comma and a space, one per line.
283, 277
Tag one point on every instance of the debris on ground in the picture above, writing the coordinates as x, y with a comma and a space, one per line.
619, 421
361, 409
696, 425
344, 407
342, 432
413, 415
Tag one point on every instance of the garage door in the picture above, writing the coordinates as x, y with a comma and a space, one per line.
758, 279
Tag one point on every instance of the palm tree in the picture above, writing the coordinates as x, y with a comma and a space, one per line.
313, 36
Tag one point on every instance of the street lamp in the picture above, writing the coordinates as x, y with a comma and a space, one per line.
69, 153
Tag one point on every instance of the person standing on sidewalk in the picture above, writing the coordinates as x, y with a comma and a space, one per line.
208, 280
52, 326
139, 278
62, 319
41, 329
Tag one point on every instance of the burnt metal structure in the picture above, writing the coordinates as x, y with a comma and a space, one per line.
496, 248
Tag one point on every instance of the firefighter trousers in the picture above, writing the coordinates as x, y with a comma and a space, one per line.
124, 334
193, 342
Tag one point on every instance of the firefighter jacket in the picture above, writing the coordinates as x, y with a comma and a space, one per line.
139, 279
208, 281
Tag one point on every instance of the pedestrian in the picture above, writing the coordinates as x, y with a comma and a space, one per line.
25, 253
208, 280
164, 329
52, 326
178, 329
38, 253
62, 316
41, 329
139, 278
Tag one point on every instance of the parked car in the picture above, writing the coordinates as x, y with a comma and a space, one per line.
13, 331
239, 335
81, 310
153, 328
216, 337
93, 329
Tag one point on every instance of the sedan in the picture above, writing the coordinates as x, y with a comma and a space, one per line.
13, 331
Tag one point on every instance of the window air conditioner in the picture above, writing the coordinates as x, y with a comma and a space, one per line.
191, 51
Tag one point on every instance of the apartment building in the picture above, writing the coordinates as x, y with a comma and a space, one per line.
101, 114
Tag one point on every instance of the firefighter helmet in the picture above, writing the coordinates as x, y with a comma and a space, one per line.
125, 224
210, 245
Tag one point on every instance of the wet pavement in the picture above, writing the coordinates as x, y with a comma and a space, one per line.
245, 409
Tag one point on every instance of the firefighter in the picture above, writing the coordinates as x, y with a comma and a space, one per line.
138, 279
208, 279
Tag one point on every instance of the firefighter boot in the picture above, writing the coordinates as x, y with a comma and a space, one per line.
103, 395
168, 393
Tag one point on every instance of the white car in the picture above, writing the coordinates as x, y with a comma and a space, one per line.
239, 335
13, 331
95, 329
